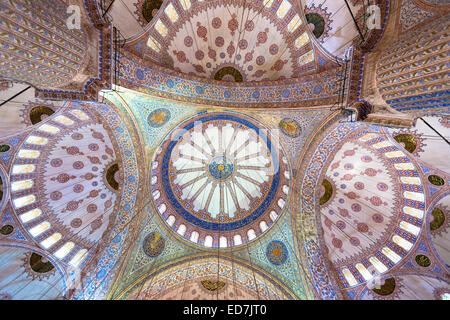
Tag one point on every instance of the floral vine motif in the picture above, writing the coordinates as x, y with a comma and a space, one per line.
259, 73
181, 56
199, 68
262, 37
212, 53
231, 49
202, 32
249, 56
411, 15
279, 64
233, 24
445, 121
96, 224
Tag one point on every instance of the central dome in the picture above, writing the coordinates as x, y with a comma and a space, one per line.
220, 175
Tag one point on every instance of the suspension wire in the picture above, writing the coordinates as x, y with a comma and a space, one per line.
108, 8
14, 96
335, 225
233, 273
72, 238
432, 128
251, 263
354, 20
123, 227
131, 14
117, 233
189, 260
219, 249
154, 275
247, 244
253, 270
242, 31
219, 234
152, 214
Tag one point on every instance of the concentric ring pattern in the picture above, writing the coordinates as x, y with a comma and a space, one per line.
220, 179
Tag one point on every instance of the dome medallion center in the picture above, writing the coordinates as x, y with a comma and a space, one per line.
221, 168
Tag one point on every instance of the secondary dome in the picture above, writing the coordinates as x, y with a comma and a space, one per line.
238, 41
220, 180
371, 206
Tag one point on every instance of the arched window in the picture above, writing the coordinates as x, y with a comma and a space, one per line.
156, 194
28, 154
49, 129
402, 242
50, 241
78, 258
21, 185
171, 220
181, 230
237, 240
363, 271
208, 241
64, 250
391, 255
24, 201
273, 216
79, 114
40, 228
263, 226
378, 265
162, 208
223, 242
349, 277
64, 120
30, 215
40, 141
194, 236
